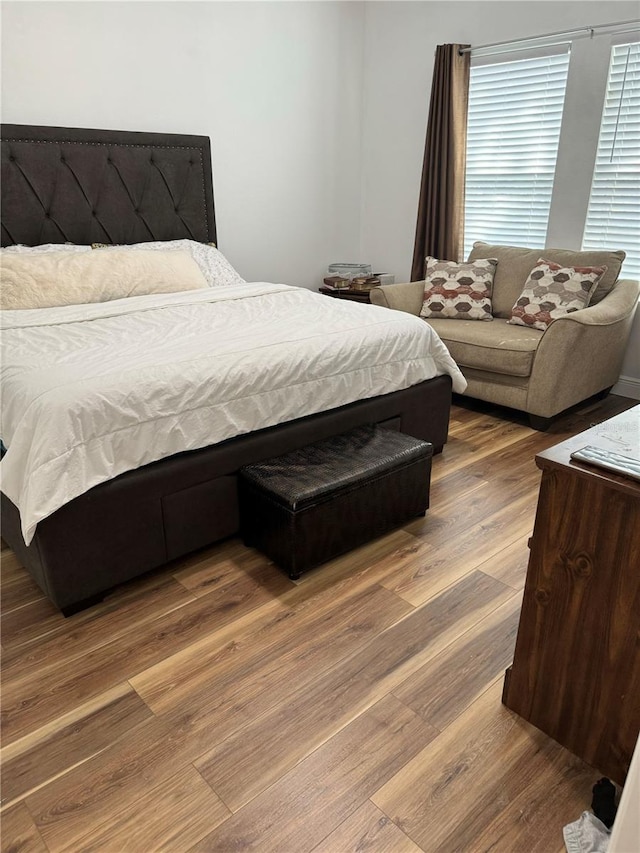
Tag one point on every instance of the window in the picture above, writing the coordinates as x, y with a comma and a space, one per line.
613, 218
515, 114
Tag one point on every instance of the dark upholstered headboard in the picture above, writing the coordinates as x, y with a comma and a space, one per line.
74, 185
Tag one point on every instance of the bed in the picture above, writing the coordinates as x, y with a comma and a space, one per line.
92, 526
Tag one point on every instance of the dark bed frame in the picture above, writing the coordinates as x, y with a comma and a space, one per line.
85, 186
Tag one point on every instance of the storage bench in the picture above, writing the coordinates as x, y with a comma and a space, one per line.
310, 505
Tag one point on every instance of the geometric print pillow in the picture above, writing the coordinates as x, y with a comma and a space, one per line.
458, 291
551, 291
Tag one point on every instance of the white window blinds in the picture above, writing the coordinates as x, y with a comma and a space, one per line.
515, 114
613, 218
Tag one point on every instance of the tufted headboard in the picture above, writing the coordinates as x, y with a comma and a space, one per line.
74, 185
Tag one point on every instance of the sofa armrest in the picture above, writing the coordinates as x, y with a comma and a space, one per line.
407, 296
615, 306
581, 353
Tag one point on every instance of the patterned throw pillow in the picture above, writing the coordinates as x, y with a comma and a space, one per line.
551, 291
458, 291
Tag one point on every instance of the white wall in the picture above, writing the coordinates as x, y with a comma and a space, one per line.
399, 46
277, 87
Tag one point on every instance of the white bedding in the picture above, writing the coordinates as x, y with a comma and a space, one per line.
92, 391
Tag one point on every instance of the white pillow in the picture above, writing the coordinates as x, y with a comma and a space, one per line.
19, 249
214, 266
50, 279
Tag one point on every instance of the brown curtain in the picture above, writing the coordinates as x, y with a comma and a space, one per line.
440, 227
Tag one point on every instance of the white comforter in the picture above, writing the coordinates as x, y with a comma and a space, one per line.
91, 391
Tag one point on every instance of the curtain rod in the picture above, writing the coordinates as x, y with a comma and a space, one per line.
578, 31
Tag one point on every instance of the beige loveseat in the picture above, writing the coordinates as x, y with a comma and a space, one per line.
541, 373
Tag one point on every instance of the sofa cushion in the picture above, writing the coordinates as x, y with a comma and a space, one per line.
495, 347
458, 291
515, 264
551, 291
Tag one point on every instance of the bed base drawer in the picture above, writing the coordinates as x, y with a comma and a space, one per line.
200, 515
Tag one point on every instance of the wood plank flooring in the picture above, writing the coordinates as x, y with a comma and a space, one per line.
215, 705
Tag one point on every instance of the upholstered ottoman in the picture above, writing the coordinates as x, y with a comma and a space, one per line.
310, 505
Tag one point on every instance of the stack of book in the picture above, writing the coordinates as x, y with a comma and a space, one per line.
335, 282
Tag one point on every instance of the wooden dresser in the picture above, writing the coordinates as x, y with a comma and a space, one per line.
576, 668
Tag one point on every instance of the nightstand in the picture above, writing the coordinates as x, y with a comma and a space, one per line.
346, 293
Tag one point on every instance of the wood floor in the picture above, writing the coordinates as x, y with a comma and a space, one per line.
218, 706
